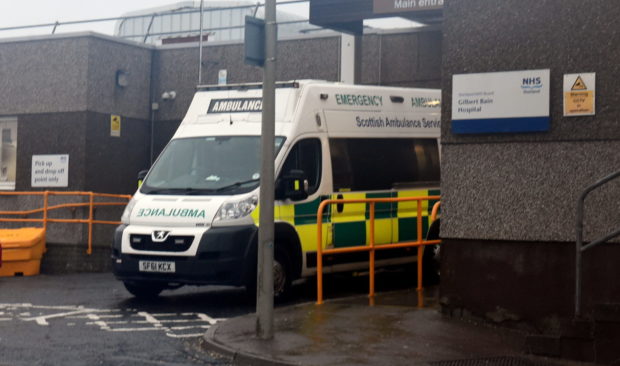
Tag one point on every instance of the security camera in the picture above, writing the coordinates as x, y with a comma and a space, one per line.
169, 95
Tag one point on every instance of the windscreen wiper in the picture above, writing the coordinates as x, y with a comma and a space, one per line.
236, 184
182, 191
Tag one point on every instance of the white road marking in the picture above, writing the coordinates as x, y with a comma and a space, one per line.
42, 320
190, 327
207, 318
151, 319
98, 316
172, 324
193, 335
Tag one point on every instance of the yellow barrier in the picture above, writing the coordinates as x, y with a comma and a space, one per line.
91, 204
371, 248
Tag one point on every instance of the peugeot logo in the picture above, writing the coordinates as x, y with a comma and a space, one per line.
159, 236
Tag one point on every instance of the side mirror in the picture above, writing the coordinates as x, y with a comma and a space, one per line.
141, 175
292, 185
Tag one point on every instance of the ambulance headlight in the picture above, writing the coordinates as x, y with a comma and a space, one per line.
127, 213
236, 209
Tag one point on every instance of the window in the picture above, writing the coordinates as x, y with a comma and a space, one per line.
6, 136
8, 153
306, 156
383, 164
222, 165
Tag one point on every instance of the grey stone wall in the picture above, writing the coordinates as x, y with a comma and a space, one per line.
43, 75
527, 191
52, 133
106, 56
509, 200
111, 164
525, 186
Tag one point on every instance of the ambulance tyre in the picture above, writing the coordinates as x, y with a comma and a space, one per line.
143, 290
430, 259
282, 276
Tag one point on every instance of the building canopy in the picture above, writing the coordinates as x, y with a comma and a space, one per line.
348, 15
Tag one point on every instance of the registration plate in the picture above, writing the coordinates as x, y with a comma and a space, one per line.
156, 266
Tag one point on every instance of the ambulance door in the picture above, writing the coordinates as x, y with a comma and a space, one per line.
353, 166
305, 155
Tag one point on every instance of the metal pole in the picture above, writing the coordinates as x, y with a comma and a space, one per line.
200, 45
579, 248
264, 293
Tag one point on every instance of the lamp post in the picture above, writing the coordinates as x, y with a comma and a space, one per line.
264, 293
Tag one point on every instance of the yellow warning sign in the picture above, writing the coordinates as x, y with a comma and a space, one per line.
579, 84
579, 94
115, 125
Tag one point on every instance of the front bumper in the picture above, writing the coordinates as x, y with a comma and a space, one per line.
222, 258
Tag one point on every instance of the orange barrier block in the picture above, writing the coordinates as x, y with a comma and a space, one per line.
22, 250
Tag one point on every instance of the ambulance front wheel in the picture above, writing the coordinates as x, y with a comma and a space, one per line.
282, 276
143, 290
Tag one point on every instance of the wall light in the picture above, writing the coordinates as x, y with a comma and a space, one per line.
122, 78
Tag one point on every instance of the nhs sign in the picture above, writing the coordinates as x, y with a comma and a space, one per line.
501, 102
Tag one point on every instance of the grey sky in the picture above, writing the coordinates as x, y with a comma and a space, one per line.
30, 12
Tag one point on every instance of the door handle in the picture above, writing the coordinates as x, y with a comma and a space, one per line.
339, 206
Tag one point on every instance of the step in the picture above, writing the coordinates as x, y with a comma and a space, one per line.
543, 345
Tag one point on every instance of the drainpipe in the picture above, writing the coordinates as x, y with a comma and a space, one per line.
153, 107
200, 44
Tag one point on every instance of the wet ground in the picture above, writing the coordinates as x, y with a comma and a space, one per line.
394, 331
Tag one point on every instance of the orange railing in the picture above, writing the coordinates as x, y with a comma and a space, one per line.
371, 247
91, 204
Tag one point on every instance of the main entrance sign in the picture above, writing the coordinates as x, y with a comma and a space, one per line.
399, 6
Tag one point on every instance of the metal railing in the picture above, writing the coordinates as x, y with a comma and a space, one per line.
44, 211
579, 247
372, 247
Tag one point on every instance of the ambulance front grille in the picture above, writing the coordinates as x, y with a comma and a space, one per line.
176, 243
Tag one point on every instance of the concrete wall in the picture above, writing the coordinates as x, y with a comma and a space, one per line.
105, 57
407, 58
43, 75
517, 193
54, 86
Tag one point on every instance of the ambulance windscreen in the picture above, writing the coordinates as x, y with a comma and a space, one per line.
207, 165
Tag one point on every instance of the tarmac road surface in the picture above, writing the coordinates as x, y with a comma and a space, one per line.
90, 319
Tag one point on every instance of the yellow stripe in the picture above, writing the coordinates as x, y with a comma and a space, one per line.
351, 211
285, 213
410, 208
383, 234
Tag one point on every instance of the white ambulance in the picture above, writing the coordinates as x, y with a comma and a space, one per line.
194, 219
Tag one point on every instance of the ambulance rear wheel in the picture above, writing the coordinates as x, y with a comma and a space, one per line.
432, 256
430, 265
144, 290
